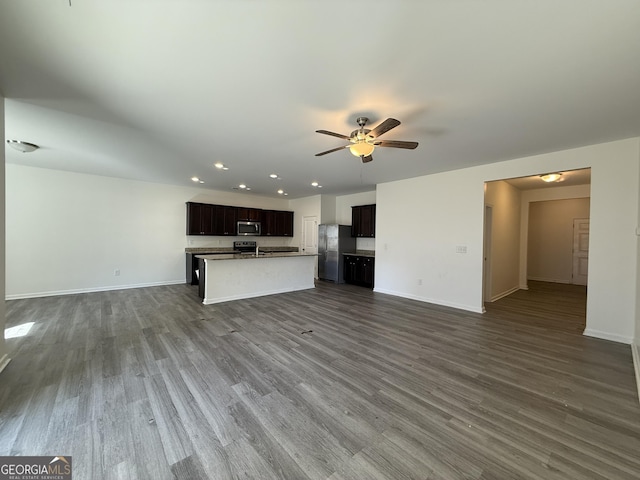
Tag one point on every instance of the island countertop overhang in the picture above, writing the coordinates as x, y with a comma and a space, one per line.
249, 256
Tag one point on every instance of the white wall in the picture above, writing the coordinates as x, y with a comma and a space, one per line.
550, 256
345, 202
4, 358
343, 214
504, 200
444, 210
68, 232
303, 207
327, 209
542, 195
635, 347
453, 217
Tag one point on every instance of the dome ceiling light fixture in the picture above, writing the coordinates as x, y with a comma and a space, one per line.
551, 177
24, 147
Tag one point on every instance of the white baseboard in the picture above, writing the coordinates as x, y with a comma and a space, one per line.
4, 361
589, 332
504, 294
55, 293
635, 352
459, 306
550, 280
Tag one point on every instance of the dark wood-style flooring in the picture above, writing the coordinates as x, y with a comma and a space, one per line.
335, 383
553, 306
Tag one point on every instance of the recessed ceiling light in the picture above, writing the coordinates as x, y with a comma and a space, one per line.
274, 175
200, 181
242, 185
286, 193
195, 179
319, 186
218, 165
280, 191
314, 184
248, 188
225, 168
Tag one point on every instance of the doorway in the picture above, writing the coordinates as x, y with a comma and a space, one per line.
486, 247
552, 263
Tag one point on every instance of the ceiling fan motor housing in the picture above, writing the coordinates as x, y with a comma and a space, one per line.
362, 121
359, 135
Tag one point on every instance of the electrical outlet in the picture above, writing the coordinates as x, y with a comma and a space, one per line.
461, 249
116, 272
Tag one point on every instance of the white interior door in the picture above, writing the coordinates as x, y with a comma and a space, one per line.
310, 237
580, 251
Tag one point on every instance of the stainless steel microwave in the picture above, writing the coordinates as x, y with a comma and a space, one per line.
248, 228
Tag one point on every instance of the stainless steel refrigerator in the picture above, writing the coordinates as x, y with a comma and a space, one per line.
333, 241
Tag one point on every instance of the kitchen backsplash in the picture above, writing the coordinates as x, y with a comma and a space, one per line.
227, 242
365, 243
224, 242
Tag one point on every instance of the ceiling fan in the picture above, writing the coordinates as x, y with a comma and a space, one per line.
363, 141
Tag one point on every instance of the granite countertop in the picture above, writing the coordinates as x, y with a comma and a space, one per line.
362, 253
270, 249
247, 256
209, 250
229, 250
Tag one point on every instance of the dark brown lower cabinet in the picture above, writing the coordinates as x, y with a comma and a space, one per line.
359, 270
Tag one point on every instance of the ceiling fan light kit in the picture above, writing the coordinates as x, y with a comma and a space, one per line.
363, 141
361, 149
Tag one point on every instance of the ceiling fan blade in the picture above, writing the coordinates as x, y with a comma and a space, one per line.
384, 127
366, 159
333, 134
396, 144
332, 150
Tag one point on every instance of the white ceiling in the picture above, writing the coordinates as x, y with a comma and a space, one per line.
568, 178
160, 90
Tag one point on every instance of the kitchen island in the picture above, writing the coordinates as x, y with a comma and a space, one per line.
237, 276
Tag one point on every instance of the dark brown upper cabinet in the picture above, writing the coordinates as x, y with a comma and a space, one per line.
207, 219
225, 220
249, 214
277, 223
363, 221
200, 219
